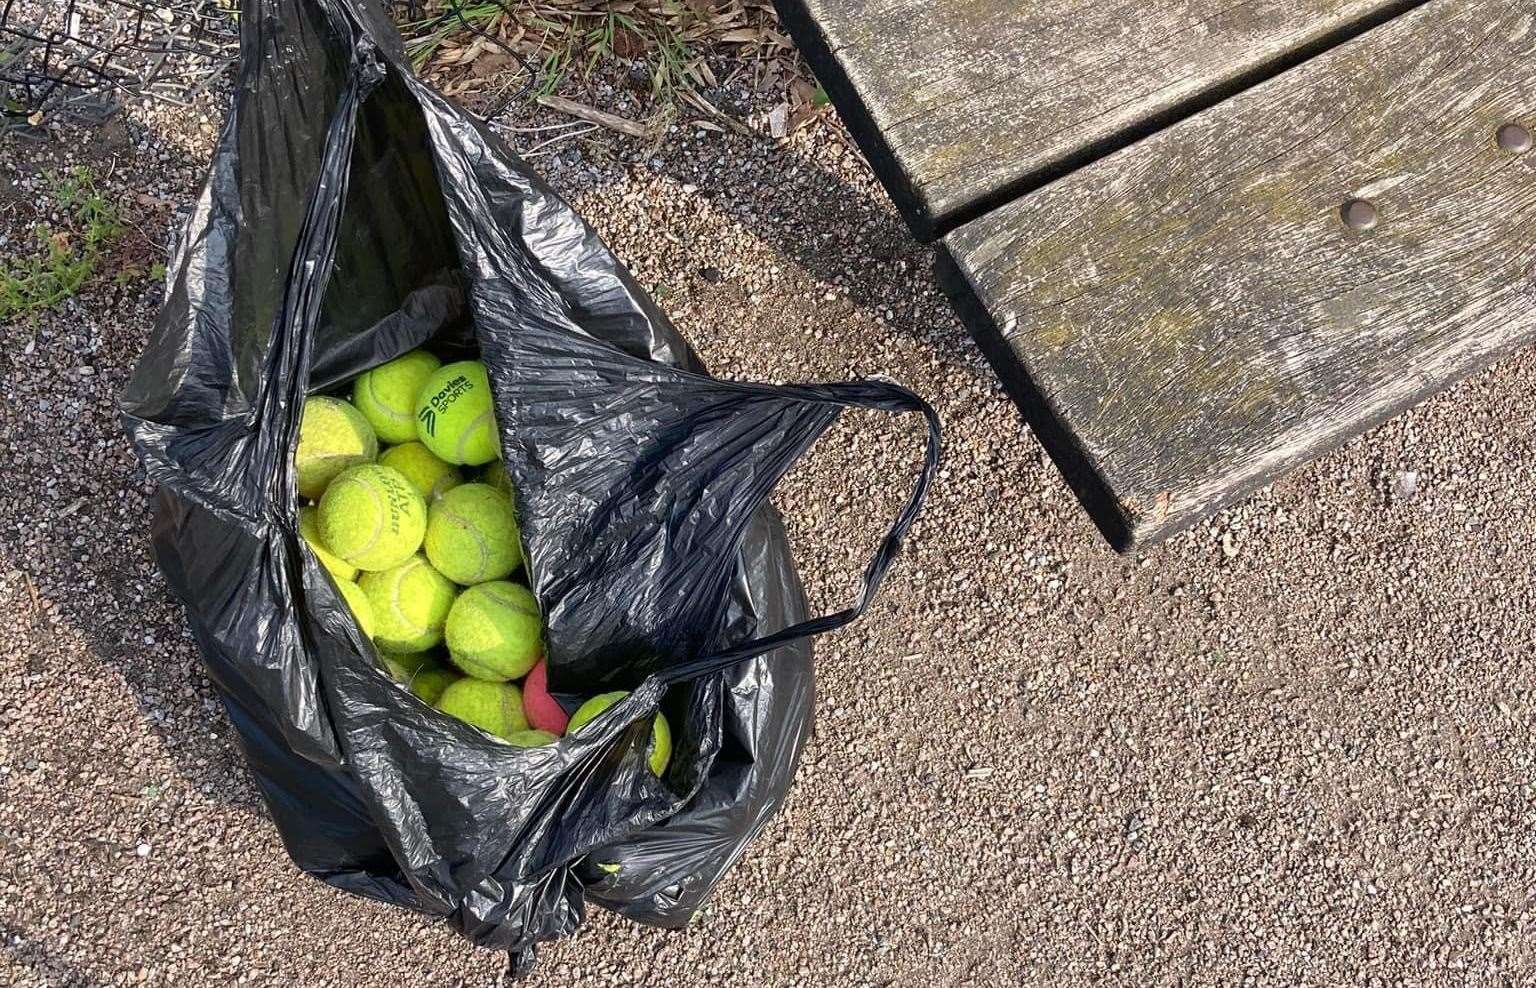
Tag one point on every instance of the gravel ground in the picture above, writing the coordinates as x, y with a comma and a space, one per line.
1290, 746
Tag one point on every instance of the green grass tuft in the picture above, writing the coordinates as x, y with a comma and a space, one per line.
66, 257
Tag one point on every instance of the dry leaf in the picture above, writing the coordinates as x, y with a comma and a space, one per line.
491, 63
803, 115
628, 44
778, 120
474, 51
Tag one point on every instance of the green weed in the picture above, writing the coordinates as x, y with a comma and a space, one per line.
66, 257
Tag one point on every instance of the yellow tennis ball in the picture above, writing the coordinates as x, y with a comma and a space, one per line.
496, 476
661, 731
332, 437
429, 475
309, 531
418, 672
496, 708
472, 535
386, 395
372, 517
362, 607
401, 666
531, 738
494, 631
430, 682
410, 605
661, 744
455, 415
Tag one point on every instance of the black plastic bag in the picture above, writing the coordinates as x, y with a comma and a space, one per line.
352, 214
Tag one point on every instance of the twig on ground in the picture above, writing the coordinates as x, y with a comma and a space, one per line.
37, 605
567, 125
581, 111
700, 103
539, 150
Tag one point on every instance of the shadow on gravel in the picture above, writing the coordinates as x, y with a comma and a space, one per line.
33, 955
91, 569
839, 233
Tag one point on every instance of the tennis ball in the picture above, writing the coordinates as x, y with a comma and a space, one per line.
472, 535
362, 607
661, 744
309, 531
387, 394
661, 731
429, 682
332, 437
494, 631
531, 739
429, 475
496, 708
541, 709
455, 416
401, 666
410, 604
372, 517
496, 476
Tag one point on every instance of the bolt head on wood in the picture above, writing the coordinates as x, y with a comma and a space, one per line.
1360, 214
1515, 138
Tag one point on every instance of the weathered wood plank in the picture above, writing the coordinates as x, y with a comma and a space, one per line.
957, 101
1192, 316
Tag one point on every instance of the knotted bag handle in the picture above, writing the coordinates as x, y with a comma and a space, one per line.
878, 395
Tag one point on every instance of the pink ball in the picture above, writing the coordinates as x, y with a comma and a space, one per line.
542, 711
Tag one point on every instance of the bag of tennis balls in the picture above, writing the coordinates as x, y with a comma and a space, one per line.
418, 532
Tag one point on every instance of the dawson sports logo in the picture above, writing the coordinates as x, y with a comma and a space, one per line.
447, 395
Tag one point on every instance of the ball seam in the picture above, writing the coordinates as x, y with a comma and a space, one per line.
469, 430
379, 405
378, 523
421, 631
477, 656
480, 543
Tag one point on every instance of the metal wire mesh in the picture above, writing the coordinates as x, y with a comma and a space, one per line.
81, 58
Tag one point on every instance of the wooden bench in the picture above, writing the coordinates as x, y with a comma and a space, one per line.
1202, 241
